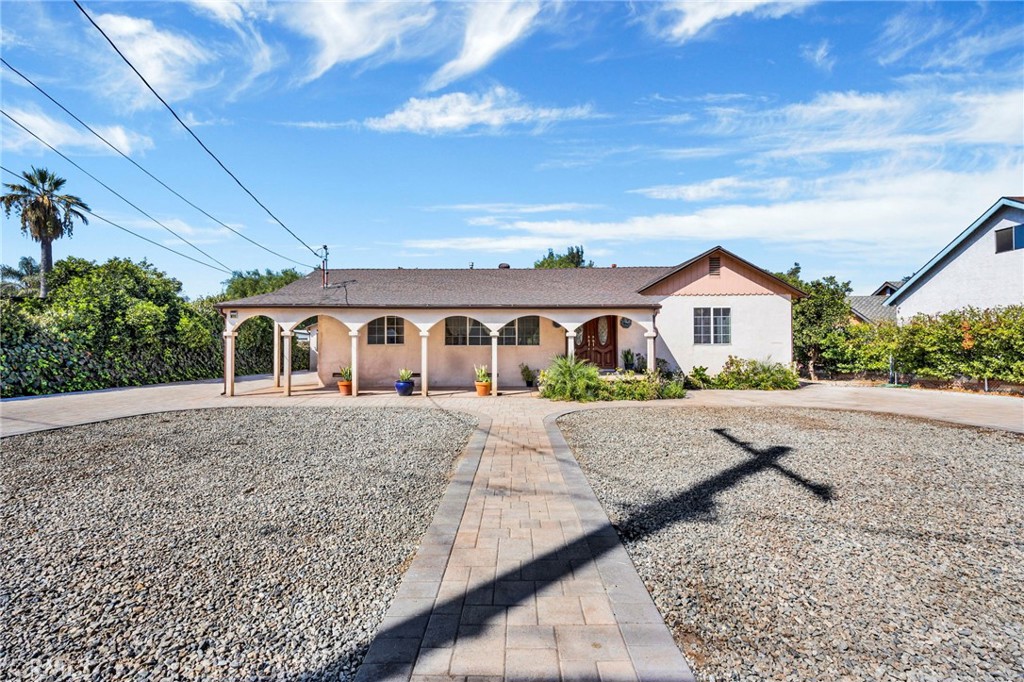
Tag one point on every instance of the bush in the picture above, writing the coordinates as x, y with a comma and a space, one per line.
571, 379
761, 375
698, 378
631, 386
673, 390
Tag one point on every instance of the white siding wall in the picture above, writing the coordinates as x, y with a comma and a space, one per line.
761, 328
976, 276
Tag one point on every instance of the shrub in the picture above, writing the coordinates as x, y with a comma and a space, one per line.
568, 378
762, 375
698, 378
631, 386
672, 390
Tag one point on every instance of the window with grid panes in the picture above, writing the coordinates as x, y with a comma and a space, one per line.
712, 325
386, 331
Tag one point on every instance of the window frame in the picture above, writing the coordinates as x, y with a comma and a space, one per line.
712, 326
1015, 233
392, 334
517, 334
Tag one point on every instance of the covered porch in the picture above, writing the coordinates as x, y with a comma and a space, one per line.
376, 343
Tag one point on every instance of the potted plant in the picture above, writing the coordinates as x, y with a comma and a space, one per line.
345, 381
404, 384
628, 361
529, 375
483, 380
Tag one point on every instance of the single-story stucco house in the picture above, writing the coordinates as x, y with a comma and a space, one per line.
697, 313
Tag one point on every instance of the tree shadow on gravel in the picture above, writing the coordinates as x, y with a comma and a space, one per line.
396, 645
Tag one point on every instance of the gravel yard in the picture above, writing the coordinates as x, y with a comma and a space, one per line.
796, 544
215, 544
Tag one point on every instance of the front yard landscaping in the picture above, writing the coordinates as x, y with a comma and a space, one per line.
807, 544
250, 543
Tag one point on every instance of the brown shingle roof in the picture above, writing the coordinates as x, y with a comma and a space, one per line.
462, 288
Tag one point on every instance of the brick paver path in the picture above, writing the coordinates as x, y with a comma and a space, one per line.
520, 576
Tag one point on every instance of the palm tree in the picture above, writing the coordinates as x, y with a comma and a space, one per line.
45, 213
18, 281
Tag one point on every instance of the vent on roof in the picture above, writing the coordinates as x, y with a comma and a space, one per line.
504, 266
715, 266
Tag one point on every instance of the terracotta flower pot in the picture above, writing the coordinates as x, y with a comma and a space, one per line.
345, 387
483, 388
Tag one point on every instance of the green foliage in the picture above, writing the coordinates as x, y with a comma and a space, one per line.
673, 389
968, 343
698, 378
405, 375
572, 258
761, 375
253, 282
120, 323
20, 280
628, 358
345, 373
528, 375
632, 386
568, 378
482, 375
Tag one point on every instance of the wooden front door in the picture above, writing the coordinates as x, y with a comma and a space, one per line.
595, 341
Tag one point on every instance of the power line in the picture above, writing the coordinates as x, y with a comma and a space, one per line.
137, 165
185, 126
134, 234
111, 189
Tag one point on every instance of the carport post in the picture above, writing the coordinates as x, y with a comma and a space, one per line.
652, 363
287, 336
494, 363
355, 362
229, 363
277, 355
423, 363
570, 339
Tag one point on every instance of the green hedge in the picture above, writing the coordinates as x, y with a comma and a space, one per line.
967, 343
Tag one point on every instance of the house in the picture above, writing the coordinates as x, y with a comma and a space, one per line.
696, 313
983, 267
871, 309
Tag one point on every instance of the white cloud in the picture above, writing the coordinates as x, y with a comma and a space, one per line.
721, 188
65, 137
678, 22
516, 209
819, 56
491, 27
496, 109
169, 61
240, 16
350, 31
970, 51
907, 31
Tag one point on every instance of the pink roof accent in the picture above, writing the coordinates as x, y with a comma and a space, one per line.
736, 279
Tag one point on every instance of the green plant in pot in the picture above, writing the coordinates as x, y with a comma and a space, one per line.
628, 360
529, 375
404, 384
483, 380
345, 380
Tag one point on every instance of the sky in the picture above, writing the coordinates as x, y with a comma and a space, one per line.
857, 139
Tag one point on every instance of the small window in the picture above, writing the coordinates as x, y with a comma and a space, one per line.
455, 329
529, 331
712, 325
715, 266
386, 331
479, 335
507, 334
1004, 240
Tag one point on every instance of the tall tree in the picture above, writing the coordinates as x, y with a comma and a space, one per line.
19, 280
45, 213
823, 311
573, 258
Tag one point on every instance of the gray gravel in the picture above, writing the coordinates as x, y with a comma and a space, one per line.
253, 543
884, 548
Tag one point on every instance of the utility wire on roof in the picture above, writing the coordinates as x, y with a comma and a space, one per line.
137, 165
111, 189
134, 234
194, 136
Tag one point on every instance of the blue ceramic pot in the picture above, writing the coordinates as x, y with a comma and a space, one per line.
404, 387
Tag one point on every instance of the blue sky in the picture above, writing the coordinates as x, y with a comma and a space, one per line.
857, 139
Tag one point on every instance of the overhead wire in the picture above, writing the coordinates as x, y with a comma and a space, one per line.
111, 189
190, 131
141, 168
134, 234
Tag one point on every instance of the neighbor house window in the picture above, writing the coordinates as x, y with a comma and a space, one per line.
465, 331
1010, 238
386, 331
524, 331
712, 325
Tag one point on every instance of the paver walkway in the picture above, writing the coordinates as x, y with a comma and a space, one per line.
520, 576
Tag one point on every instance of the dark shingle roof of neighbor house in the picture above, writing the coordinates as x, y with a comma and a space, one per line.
891, 284
872, 308
465, 288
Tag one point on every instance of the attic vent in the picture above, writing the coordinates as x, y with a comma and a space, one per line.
715, 268
504, 266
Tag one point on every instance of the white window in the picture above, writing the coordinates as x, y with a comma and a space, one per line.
712, 325
524, 331
465, 331
386, 331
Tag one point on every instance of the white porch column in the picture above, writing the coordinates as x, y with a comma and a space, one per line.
494, 363
652, 363
277, 355
229, 363
355, 362
287, 337
423, 363
570, 343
